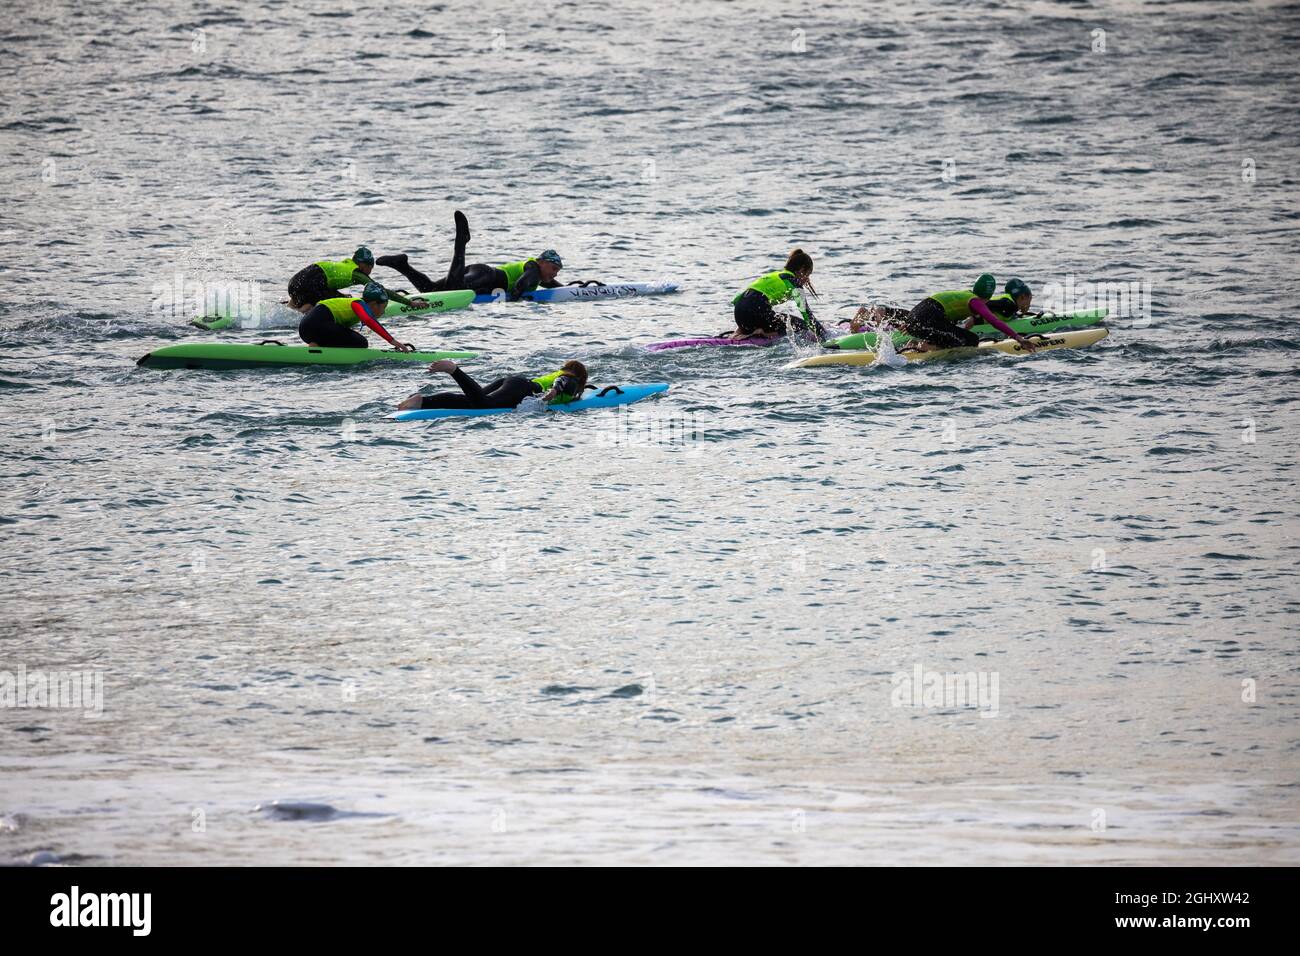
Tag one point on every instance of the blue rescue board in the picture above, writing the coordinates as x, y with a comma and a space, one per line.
606, 397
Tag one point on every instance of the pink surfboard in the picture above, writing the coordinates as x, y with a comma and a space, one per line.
718, 341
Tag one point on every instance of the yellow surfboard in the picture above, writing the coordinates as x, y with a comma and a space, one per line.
1052, 340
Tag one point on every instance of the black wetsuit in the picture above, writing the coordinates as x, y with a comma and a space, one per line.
482, 278
320, 327
505, 392
928, 322
754, 314
308, 286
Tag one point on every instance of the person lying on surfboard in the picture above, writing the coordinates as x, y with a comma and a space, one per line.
1013, 302
942, 320
515, 279
755, 317
556, 388
329, 322
324, 280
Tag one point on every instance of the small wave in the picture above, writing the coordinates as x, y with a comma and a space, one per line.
49, 124
1272, 344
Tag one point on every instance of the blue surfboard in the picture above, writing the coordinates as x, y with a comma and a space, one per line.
605, 397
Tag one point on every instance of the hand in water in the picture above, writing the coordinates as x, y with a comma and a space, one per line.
443, 365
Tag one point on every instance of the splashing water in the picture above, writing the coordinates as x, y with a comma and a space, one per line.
886, 354
801, 340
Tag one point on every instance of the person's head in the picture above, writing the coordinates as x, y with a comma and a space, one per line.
364, 258
985, 286
375, 297
1020, 293
801, 264
574, 380
549, 264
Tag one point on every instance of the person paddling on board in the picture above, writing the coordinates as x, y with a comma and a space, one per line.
556, 388
1016, 298
942, 320
329, 322
1014, 301
515, 279
324, 280
755, 317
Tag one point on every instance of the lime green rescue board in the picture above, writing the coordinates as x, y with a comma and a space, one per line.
1045, 343
222, 355
281, 316
1024, 325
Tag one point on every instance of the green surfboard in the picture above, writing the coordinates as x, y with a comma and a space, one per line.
223, 355
281, 316
1024, 325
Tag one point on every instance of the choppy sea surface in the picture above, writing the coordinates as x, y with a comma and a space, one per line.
691, 631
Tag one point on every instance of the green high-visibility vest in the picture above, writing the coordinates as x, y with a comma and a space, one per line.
777, 287
548, 380
338, 275
956, 303
342, 310
1003, 305
513, 271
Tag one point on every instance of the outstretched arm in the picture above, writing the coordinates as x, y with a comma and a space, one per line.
378, 329
981, 309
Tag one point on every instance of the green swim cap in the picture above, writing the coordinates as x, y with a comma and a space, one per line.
374, 292
985, 286
1016, 288
363, 256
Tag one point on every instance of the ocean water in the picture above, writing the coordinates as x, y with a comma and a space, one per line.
687, 632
